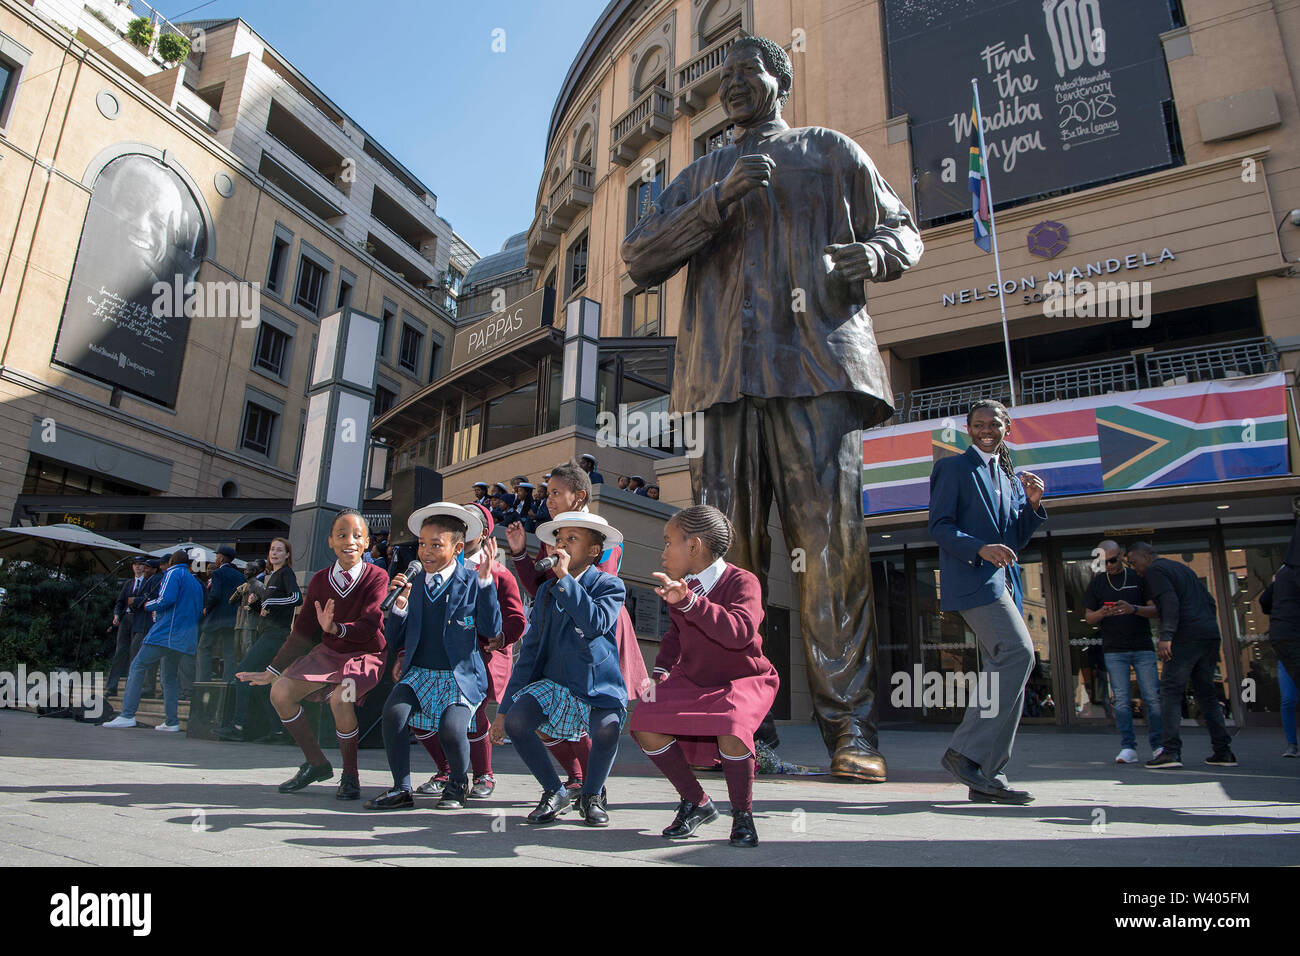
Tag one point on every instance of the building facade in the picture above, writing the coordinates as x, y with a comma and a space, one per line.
174, 233
1151, 145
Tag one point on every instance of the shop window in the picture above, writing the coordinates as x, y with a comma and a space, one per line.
279, 263
641, 313
576, 266
408, 356
511, 417
642, 194
312, 280
1252, 555
259, 429
272, 349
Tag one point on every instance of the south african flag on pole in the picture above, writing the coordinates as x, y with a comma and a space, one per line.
979, 186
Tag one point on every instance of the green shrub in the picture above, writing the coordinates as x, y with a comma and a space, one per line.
140, 32
173, 47
40, 626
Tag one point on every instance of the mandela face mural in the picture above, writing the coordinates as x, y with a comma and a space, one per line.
144, 227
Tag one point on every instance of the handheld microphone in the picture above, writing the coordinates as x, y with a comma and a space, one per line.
412, 570
547, 563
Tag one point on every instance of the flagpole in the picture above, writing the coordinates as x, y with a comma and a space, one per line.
993, 231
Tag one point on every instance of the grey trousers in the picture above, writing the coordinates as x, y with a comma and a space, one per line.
1007, 656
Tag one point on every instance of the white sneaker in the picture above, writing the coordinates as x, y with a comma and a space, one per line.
1127, 755
169, 728
120, 721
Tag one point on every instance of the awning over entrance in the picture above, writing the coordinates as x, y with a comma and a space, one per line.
486, 355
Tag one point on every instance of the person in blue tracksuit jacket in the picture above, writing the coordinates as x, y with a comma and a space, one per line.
567, 681
177, 610
982, 514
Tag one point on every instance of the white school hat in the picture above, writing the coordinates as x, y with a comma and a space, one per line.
473, 522
579, 519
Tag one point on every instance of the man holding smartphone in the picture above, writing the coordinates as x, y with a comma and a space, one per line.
1120, 607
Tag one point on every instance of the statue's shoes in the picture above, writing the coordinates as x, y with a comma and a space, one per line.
855, 760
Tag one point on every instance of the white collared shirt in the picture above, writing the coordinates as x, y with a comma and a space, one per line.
444, 572
343, 580
709, 576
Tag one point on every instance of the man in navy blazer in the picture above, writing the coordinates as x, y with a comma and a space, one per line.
436, 623
981, 516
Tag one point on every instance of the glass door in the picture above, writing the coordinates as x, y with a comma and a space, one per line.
948, 646
1253, 555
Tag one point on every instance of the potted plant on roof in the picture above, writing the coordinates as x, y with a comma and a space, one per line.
140, 32
173, 47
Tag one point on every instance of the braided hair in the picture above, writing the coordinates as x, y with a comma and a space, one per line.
1004, 454
709, 525
571, 475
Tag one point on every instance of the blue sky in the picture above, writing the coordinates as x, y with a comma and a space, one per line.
423, 80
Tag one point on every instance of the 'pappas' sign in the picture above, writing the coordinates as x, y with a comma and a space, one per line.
501, 328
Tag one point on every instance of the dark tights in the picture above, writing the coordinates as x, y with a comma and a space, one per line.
522, 721
452, 729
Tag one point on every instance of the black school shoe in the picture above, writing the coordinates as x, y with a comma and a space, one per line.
690, 816
1222, 758
349, 788
1168, 760
742, 829
552, 804
229, 733
395, 799
1001, 795
484, 784
592, 808
453, 795
307, 775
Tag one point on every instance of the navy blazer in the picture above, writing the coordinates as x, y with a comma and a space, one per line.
964, 517
581, 630
471, 611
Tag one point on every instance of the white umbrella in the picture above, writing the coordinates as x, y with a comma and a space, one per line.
60, 541
197, 552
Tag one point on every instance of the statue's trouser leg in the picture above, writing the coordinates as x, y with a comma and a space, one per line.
808, 453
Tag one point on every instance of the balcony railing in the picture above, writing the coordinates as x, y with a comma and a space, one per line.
952, 401
1198, 363
649, 119
1202, 363
571, 195
698, 79
542, 238
1079, 381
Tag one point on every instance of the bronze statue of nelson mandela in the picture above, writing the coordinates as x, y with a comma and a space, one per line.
780, 231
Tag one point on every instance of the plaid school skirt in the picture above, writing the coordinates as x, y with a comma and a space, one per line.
567, 717
436, 690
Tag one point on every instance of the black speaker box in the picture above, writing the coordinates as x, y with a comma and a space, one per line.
412, 488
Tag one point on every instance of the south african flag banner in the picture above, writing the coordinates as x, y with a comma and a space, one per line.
979, 186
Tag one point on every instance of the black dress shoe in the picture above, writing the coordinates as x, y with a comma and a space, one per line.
1002, 795
306, 775
349, 788
689, 817
483, 787
552, 804
742, 829
592, 808
967, 771
395, 799
235, 734
453, 795
432, 787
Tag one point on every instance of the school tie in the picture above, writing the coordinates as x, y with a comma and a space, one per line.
435, 582
696, 585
